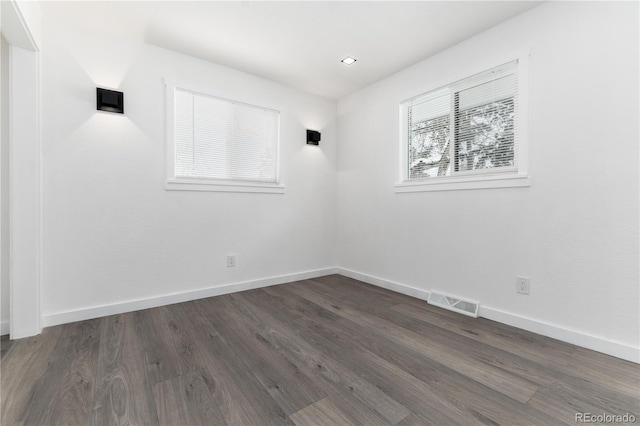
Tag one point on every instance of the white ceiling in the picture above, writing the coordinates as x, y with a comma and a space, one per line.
298, 43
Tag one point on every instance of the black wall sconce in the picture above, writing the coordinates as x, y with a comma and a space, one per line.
110, 100
313, 137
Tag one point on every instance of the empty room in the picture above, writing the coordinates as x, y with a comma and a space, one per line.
320, 213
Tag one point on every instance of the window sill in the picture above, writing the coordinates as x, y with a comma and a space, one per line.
454, 184
231, 186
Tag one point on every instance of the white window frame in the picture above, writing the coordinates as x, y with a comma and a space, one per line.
180, 183
504, 177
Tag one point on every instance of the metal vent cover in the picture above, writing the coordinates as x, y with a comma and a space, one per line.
454, 303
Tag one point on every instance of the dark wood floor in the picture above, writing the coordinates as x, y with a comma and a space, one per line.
328, 351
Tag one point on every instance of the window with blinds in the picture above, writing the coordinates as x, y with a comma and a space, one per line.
469, 128
219, 139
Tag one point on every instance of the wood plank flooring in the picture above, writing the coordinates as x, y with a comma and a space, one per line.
327, 351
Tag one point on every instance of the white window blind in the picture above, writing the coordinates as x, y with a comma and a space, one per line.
467, 128
219, 139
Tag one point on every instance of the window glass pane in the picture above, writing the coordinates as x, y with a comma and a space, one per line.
212, 133
254, 144
429, 148
220, 139
485, 136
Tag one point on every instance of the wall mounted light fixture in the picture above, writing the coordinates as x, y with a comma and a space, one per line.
110, 100
313, 137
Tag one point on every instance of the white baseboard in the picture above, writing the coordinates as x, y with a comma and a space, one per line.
153, 302
616, 349
4, 328
389, 285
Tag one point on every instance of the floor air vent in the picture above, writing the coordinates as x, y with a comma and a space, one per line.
454, 303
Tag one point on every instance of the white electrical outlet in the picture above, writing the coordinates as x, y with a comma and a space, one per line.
231, 261
522, 285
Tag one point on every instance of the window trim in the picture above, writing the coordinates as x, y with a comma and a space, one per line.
518, 176
196, 184
179, 183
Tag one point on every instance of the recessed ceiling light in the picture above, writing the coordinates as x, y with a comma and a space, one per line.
348, 60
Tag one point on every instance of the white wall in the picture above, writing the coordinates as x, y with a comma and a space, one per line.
113, 234
574, 232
